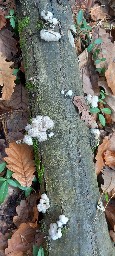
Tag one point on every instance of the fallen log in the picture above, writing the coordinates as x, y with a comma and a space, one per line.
51, 67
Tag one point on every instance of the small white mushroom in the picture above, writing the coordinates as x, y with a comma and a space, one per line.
49, 35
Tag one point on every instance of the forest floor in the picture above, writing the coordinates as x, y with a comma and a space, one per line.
21, 173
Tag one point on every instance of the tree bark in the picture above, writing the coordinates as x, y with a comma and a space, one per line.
69, 170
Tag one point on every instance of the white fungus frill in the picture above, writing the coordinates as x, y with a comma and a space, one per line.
55, 231
38, 128
50, 35
43, 204
93, 100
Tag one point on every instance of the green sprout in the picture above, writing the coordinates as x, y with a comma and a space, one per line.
12, 18
101, 111
9, 181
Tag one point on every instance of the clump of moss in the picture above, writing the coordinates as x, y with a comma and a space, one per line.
23, 24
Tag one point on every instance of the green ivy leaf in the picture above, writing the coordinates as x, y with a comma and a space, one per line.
102, 119
80, 17
106, 110
3, 191
12, 183
90, 47
2, 166
8, 174
98, 41
12, 22
94, 110
40, 252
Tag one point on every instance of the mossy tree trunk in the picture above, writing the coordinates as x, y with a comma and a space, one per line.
69, 170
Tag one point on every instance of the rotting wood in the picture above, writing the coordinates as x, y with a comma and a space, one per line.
69, 170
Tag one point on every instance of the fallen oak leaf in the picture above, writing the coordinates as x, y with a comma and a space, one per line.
21, 240
6, 78
100, 155
110, 76
8, 44
98, 12
109, 157
27, 211
109, 180
112, 235
2, 19
20, 162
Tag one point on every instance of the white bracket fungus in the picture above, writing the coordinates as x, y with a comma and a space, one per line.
43, 204
55, 230
38, 128
93, 100
50, 35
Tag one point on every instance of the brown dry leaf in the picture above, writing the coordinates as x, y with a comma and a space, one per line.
6, 78
111, 145
3, 241
83, 57
109, 180
20, 161
80, 103
110, 76
110, 213
7, 44
100, 155
2, 19
87, 86
98, 12
109, 157
112, 235
21, 240
16, 121
27, 211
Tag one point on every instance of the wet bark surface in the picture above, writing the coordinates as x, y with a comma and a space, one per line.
69, 170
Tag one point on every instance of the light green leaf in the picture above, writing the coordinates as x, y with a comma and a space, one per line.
3, 191
90, 47
12, 183
79, 17
106, 110
102, 119
94, 110
102, 94
8, 17
106, 197
15, 71
28, 191
2, 179
35, 250
12, 22
97, 61
11, 12
98, 41
2, 166
103, 59
8, 174
40, 252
